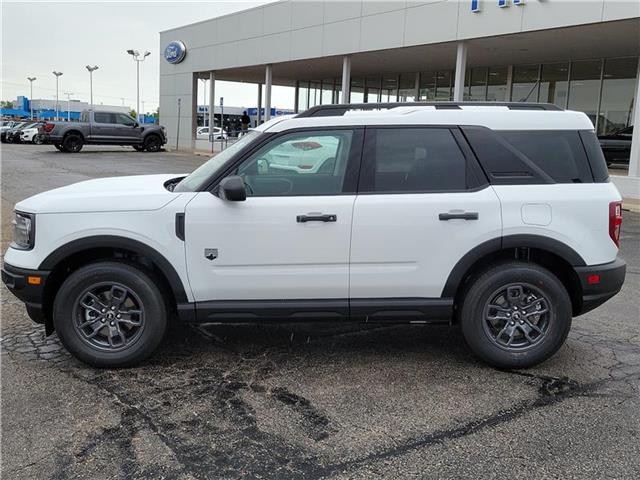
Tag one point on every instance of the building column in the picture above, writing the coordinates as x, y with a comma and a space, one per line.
461, 68
507, 95
346, 79
212, 101
296, 97
634, 159
417, 87
267, 92
259, 119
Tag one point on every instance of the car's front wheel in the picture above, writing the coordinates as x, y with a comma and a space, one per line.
153, 143
515, 315
110, 314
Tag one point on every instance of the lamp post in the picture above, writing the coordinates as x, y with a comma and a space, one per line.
143, 114
91, 70
138, 59
68, 94
57, 74
31, 80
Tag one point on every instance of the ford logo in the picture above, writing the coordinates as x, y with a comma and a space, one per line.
175, 52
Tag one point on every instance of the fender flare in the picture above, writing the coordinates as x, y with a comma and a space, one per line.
113, 241
495, 245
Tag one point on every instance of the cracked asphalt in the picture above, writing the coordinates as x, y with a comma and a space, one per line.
310, 401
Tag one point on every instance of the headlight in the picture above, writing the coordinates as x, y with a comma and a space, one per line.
23, 230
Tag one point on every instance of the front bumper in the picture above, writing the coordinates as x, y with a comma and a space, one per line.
600, 283
22, 283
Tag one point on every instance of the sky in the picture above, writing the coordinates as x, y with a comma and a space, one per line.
40, 37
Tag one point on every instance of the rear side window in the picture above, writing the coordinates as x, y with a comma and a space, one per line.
406, 159
559, 153
104, 117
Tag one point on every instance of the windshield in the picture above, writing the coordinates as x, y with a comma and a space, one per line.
202, 174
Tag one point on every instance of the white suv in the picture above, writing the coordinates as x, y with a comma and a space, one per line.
499, 218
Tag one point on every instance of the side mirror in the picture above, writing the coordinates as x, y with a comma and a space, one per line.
232, 189
136, 125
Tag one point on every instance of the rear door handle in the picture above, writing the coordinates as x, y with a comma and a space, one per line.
459, 216
316, 218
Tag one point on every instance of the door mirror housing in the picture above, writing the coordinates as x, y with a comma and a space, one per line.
232, 189
135, 125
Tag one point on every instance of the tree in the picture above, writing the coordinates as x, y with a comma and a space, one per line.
6, 104
132, 113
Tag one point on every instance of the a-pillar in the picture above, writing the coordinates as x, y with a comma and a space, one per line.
461, 68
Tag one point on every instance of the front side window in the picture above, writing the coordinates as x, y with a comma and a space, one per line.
406, 159
303, 163
126, 120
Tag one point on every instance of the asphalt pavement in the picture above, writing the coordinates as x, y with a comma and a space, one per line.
310, 401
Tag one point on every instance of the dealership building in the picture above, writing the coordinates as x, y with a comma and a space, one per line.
578, 54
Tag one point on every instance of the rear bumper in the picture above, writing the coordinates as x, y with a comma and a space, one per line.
600, 283
17, 281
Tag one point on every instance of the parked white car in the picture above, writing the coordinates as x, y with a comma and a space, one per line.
31, 135
499, 219
202, 133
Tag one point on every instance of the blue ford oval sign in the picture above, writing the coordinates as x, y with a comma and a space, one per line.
175, 52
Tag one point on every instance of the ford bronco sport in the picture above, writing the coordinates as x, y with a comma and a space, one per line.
498, 218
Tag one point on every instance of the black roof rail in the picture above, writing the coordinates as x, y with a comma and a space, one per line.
338, 110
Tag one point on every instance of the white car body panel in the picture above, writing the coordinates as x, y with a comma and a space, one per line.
263, 252
579, 215
400, 248
127, 194
27, 134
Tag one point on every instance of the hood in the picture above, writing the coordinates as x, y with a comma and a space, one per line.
132, 194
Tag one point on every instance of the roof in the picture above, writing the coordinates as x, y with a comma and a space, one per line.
496, 117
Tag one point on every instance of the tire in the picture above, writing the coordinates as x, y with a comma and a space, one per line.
138, 148
38, 139
496, 334
72, 143
88, 325
153, 143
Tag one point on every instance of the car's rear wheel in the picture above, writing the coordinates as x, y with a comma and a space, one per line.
153, 143
38, 139
515, 315
72, 143
110, 314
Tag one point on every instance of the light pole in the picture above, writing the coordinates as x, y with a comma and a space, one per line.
68, 94
57, 74
91, 70
143, 115
138, 59
31, 80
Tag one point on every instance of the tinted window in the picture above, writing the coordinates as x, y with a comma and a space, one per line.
559, 153
104, 117
125, 120
408, 159
304, 163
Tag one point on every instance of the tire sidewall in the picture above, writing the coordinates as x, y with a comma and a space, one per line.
142, 283
69, 145
477, 296
152, 147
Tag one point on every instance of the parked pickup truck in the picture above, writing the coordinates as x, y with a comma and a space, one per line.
104, 128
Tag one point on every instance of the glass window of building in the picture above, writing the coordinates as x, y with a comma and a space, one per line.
497, 84
357, 90
444, 85
389, 88
327, 91
428, 86
407, 89
554, 83
618, 89
303, 96
337, 90
372, 89
525, 83
314, 94
584, 87
478, 84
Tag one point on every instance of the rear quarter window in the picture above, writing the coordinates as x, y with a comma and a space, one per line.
559, 153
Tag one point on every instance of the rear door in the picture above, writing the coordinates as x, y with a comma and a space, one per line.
104, 128
422, 204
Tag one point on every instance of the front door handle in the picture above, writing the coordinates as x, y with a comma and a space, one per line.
317, 218
459, 216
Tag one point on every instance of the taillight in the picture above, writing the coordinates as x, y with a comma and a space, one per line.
47, 127
615, 221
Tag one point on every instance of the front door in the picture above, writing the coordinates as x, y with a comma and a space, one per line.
290, 239
127, 129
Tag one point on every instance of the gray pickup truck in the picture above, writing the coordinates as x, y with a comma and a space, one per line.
103, 128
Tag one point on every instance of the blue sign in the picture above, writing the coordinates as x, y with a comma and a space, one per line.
475, 4
175, 52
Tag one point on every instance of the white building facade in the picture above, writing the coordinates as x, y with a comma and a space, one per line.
579, 54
